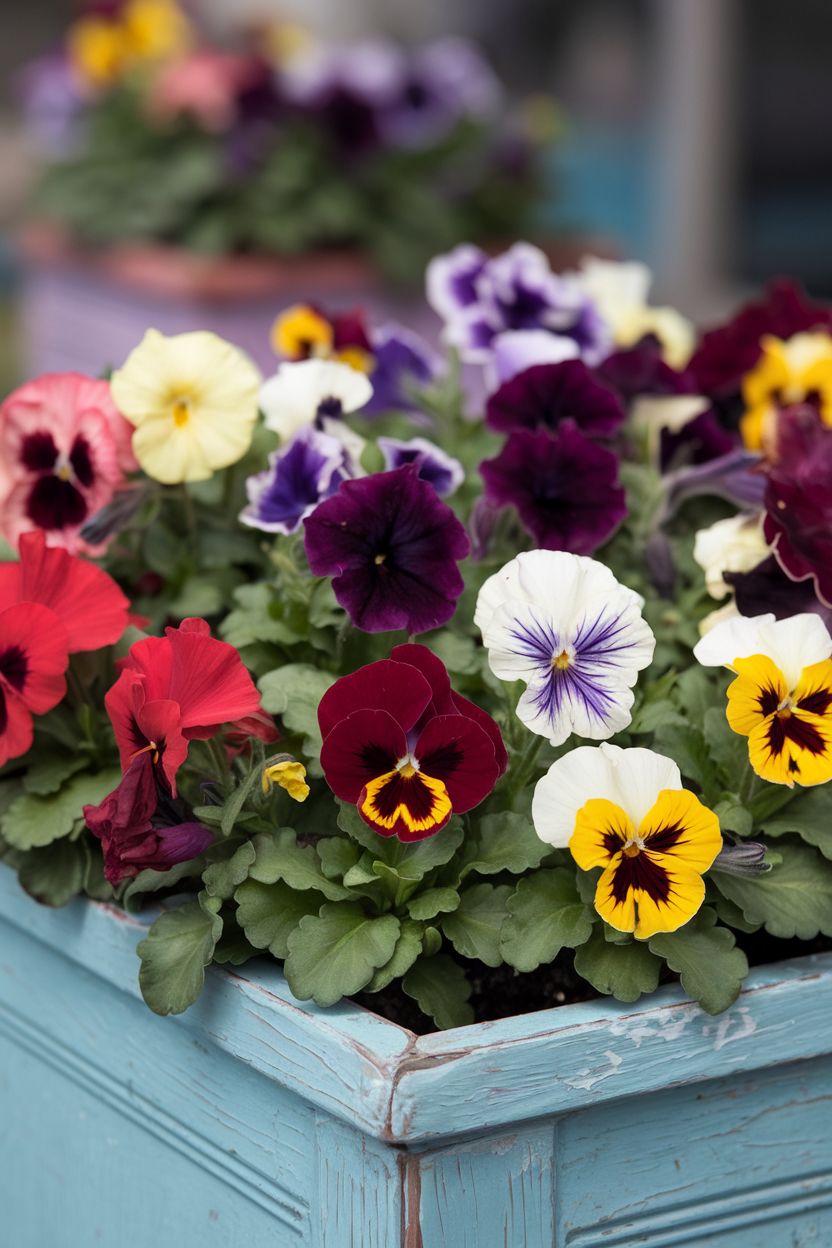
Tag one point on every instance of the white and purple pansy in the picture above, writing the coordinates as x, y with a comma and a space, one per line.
309, 392
565, 626
445, 473
480, 298
299, 476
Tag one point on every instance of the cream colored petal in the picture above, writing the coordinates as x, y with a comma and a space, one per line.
729, 612
736, 638
502, 587
733, 545
170, 454
792, 644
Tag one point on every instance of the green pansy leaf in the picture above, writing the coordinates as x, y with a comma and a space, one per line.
734, 818
416, 858
279, 857
54, 874
651, 715
408, 948
335, 953
209, 815
727, 748
688, 749
221, 878
32, 822
96, 884
473, 928
809, 814
586, 883
459, 654
337, 854
623, 971
441, 990
235, 802
269, 913
233, 946
398, 883
793, 899
294, 692
773, 798
710, 966
503, 842
432, 942
148, 881
175, 953
698, 689
433, 901
362, 872
253, 619
545, 914
727, 912
47, 777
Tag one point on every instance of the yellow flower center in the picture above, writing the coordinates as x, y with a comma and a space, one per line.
379, 559
406, 769
181, 412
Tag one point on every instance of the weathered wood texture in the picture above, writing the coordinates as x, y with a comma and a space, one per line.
256, 1120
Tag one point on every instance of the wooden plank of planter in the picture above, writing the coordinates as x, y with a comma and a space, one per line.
405, 1089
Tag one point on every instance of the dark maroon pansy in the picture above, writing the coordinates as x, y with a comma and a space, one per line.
565, 488
698, 442
798, 500
642, 370
543, 396
349, 329
766, 589
404, 748
727, 353
391, 546
140, 826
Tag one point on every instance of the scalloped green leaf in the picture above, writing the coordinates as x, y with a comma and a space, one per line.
545, 914
623, 971
335, 953
441, 990
269, 913
705, 956
473, 927
175, 953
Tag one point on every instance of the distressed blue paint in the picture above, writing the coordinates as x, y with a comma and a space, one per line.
258, 1120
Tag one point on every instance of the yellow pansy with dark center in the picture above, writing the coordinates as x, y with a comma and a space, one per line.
300, 332
789, 730
652, 878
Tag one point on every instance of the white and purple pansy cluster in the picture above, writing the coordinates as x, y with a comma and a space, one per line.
566, 627
511, 311
304, 403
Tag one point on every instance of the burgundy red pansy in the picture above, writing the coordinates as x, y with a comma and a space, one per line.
406, 749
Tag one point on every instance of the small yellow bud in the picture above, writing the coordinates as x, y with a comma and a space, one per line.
288, 774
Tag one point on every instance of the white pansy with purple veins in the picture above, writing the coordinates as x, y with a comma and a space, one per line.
480, 298
299, 476
445, 473
565, 626
308, 392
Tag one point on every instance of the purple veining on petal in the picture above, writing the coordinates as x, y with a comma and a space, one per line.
299, 476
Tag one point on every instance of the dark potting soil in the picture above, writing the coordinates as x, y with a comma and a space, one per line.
500, 992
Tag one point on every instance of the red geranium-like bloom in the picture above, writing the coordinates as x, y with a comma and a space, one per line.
175, 689
87, 601
406, 749
65, 448
798, 500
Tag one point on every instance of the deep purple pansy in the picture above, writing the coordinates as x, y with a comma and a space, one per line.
766, 588
547, 394
445, 473
642, 370
391, 546
402, 359
698, 442
798, 500
565, 488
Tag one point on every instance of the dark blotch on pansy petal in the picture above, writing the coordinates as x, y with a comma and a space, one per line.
798, 500
766, 588
565, 488
642, 370
391, 546
543, 396
14, 666
81, 462
38, 452
55, 504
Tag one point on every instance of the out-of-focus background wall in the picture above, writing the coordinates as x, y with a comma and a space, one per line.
698, 133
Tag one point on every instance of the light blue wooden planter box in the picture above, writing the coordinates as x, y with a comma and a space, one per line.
255, 1121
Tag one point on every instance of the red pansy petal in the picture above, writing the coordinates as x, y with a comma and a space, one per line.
397, 688
128, 809
9, 584
484, 720
123, 701
138, 621
208, 679
360, 748
193, 624
461, 754
15, 727
433, 670
153, 658
87, 601
33, 655
160, 722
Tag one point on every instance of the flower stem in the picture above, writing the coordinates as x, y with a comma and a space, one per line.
190, 513
219, 758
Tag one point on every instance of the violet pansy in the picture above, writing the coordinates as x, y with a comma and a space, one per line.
445, 473
300, 475
565, 626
